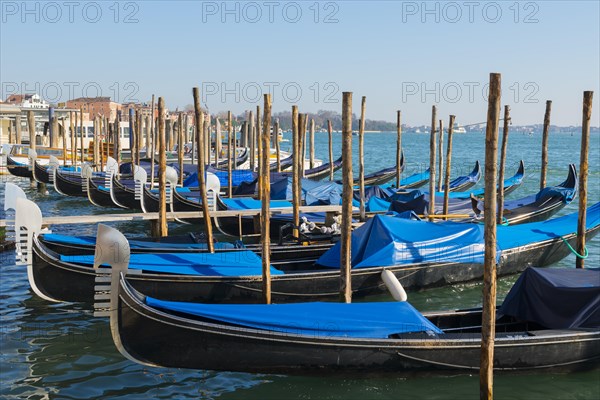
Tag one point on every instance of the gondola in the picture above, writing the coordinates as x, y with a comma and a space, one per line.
464, 183
69, 184
415, 181
313, 338
509, 185
100, 195
379, 177
540, 244
533, 208
17, 168
323, 170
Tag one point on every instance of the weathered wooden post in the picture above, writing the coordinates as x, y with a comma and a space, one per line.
266, 195
330, 134
348, 180
432, 158
234, 139
73, 146
296, 188
180, 144
441, 156
259, 148
96, 138
160, 228
81, 132
312, 143
147, 135
63, 131
277, 147
245, 134
194, 144
199, 117
361, 158
153, 147
53, 128
218, 143
545, 144
488, 317
252, 141
132, 133
500, 215
229, 155
398, 148
583, 176
117, 135
18, 128
206, 142
448, 165
31, 128
139, 138
301, 139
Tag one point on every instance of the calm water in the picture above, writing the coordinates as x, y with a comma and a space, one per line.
60, 351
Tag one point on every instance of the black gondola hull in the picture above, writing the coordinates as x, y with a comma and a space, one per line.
49, 276
150, 336
18, 169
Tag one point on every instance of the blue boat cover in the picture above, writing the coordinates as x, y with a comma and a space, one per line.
133, 244
567, 194
387, 240
248, 203
418, 177
237, 177
556, 298
318, 320
520, 235
230, 263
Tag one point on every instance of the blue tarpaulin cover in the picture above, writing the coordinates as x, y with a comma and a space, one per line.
392, 240
556, 298
521, 235
133, 244
359, 320
237, 177
248, 203
231, 263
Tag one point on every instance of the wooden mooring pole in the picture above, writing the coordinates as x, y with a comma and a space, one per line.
448, 164
199, 117
229, 155
32, 136
361, 158
301, 141
488, 318
266, 195
180, 144
252, 131
277, 147
295, 171
161, 229
347, 178
81, 132
63, 131
312, 143
545, 145
398, 148
153, 147
583, 176
440, 156
500, 215
432, 158
330, 134
73, 147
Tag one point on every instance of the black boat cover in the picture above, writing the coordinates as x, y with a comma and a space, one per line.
556, 298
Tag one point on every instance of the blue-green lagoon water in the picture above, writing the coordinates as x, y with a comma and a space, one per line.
60, 351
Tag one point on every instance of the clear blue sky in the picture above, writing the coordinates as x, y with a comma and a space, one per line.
401, 55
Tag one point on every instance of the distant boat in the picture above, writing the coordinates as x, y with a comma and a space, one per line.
458, 129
